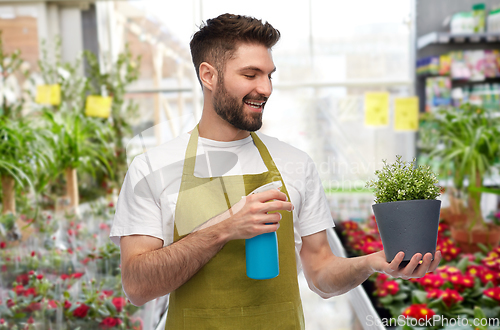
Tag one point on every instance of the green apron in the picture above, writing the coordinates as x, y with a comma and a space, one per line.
221, 296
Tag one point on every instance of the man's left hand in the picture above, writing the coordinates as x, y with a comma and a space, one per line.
414, 269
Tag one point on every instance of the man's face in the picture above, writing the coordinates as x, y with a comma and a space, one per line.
244, 87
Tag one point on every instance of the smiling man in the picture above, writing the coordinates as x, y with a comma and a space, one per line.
186, 234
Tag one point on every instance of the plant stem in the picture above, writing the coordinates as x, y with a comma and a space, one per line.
475, 204
9, 198
72, 187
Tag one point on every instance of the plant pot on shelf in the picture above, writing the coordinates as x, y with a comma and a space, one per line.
409, 226
455, 219
468, 240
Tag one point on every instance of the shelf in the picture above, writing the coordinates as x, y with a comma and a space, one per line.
448, 38
457, 81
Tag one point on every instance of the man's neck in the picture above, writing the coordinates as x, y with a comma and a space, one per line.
217, 129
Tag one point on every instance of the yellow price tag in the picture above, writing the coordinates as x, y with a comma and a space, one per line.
98, 106
48, 94
377, 109
406, 114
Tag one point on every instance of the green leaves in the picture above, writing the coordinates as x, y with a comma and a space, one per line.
469, 140
403, 181
25, 150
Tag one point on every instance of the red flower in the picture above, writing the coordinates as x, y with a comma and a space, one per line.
392, 287
107, 293
474, 270
3, 245
488, 276
350, 225
30, 320
31, 272
33, 253
492, 263
493, 293
419, 312
2, 321
67, 304
19, 290
451, 297
381, 278
10, 303
33, 307
64, 277
39, 276
450, 270
431, 281
76, 275
371, 247
110, 322
81, 311
23, 279
30, 291
119, 302
434, 293
461, 282
52, 304
442, 227
450, 252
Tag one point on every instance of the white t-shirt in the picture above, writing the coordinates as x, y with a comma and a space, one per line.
146, 204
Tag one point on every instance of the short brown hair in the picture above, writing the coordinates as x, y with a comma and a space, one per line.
217, 39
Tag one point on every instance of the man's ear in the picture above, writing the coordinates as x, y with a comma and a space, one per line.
208, 75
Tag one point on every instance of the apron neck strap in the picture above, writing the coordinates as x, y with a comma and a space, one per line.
189, 161
192, 146
264, 153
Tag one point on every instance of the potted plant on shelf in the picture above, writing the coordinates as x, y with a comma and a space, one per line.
468, 150
406, 209
79, 142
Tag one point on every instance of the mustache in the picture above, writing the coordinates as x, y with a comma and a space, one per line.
255, 97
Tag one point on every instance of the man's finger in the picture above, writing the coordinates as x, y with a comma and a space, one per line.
277, 206
394, 265
435, 262
270, 195
410, 268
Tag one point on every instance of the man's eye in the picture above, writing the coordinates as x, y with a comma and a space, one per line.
250, 76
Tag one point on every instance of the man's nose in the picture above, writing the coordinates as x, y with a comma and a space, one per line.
265, 87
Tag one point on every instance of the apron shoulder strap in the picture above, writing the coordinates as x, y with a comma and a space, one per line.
264, 152
190, 157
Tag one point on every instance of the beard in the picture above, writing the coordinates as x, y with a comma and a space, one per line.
232, 110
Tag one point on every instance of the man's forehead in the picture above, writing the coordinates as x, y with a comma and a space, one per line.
253, 56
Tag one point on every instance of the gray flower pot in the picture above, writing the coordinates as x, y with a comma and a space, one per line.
408, 226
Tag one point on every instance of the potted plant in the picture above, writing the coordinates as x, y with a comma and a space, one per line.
79, 142
23, 144
468, 150
406, 209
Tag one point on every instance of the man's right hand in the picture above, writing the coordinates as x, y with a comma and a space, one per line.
150, 270
251, 215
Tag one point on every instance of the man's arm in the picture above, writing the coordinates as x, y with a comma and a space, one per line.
150, 270
333, 275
